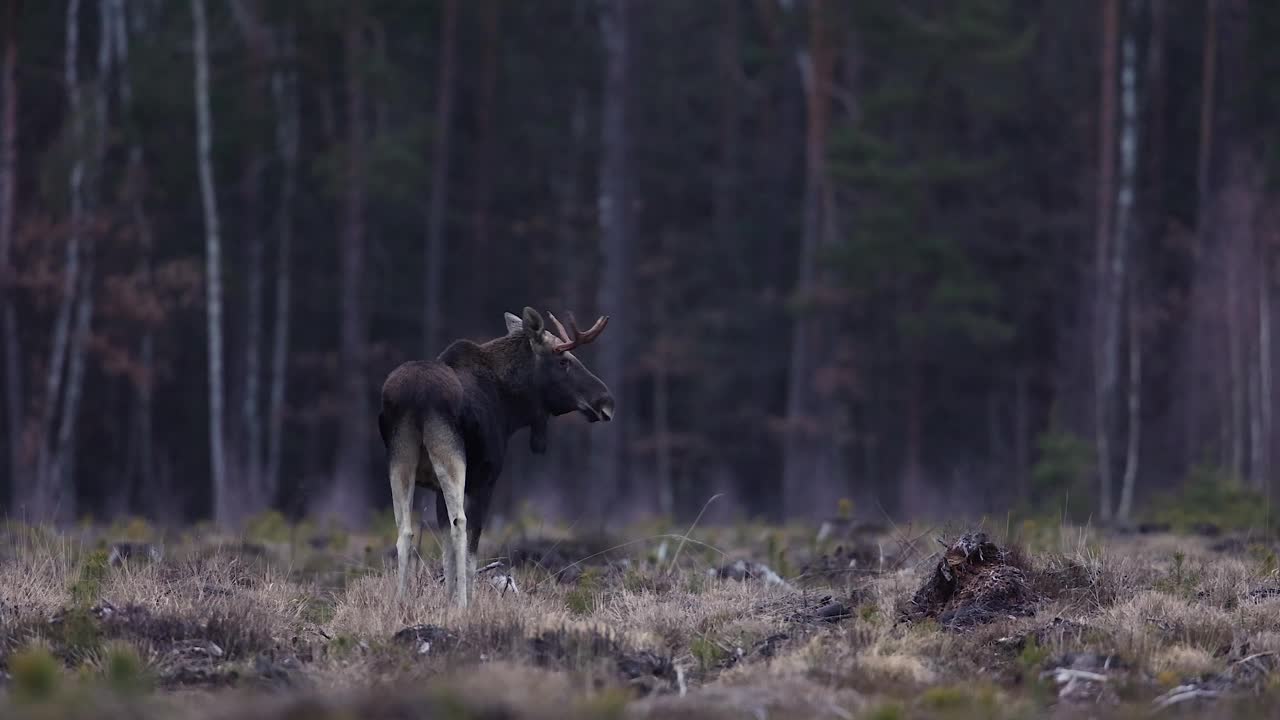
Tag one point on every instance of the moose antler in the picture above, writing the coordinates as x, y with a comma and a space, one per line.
578, 337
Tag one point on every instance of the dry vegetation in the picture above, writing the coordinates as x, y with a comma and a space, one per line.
862, 623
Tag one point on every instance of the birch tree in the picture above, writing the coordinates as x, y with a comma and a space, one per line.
44, 491
1124, 287
64, 456
222, 501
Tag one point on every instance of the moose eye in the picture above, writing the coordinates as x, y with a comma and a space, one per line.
564, 363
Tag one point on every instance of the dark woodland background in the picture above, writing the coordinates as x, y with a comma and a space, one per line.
936, 258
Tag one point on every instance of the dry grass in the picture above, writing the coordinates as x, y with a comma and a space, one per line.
284, 629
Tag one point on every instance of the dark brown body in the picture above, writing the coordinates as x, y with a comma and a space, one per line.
459, 411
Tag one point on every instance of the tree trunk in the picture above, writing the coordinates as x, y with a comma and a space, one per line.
725, 201
64, 454
253, 441
135, 193
1236, 360
1122, 257
805, 489
1156, 84
251, 403
44, 479
1022, 434
1208, 83
483, 164
1264, 395
347, 500
223, 508
14, 393
1198, 395
1133, 453
432, 335
614, 204
284, 93
1104, 374
1230, 188
913, 475
665, 495
1257, 479
572, 481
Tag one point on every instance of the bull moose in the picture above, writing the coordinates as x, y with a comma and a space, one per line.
446, 422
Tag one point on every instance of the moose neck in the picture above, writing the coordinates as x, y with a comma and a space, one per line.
512, 365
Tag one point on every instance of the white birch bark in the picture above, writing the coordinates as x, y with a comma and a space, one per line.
213, 264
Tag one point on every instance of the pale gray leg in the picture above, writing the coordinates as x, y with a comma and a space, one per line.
447, 458
404, 464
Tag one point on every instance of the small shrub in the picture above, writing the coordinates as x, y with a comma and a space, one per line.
87, 587
342, 646
581, 600
270, 526
1266, 559
124, 671
945, 698
1032, 656
1180, 580
708, 653
317, 611
1061, 476
887, 711
777, 553
608, 703
950, 698
695, 583
36, 675
77, 634
131, 529
1211, 496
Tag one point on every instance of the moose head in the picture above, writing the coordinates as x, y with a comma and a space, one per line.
560, 382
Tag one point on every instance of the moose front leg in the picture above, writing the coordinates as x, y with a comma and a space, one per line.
477, 511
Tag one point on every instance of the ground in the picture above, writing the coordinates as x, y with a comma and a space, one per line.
837, 621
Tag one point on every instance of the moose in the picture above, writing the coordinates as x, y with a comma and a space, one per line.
446, 422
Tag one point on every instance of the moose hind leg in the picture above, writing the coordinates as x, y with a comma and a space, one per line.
446, 547
447, 457
404, 454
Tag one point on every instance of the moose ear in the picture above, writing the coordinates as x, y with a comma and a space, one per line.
532, 323
513, 323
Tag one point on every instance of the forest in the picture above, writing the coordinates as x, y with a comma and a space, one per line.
891, 258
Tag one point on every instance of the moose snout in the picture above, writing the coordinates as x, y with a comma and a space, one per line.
604, 408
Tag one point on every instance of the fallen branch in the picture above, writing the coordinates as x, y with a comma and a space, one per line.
1183, 693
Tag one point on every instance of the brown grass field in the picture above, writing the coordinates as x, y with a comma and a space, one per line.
860, 622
